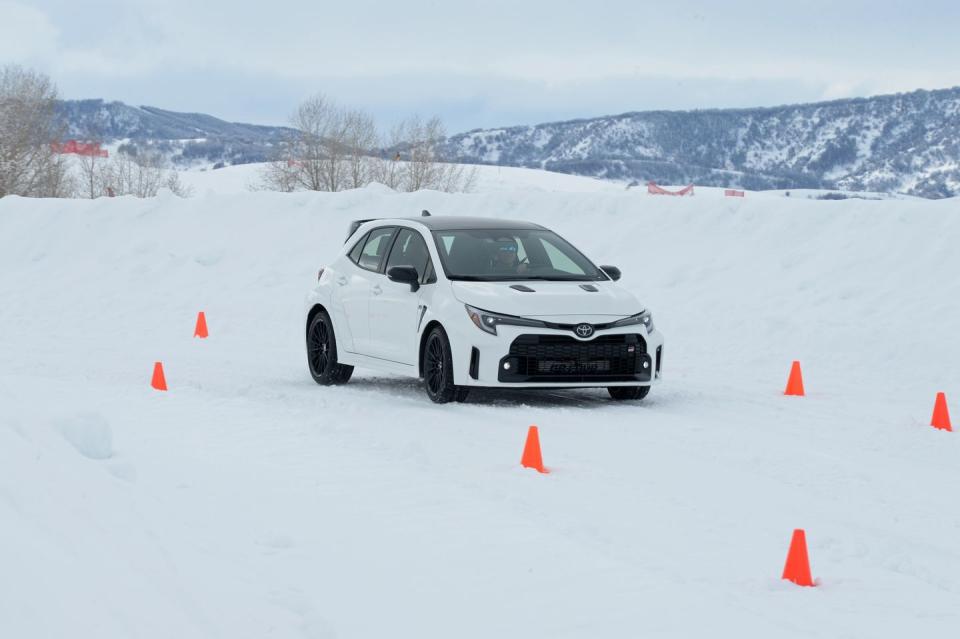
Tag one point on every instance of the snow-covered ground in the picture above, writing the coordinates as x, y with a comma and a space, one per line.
249, 502
242, 177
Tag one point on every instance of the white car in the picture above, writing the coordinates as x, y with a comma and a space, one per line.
466, 302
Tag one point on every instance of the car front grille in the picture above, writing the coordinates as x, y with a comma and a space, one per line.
561, 358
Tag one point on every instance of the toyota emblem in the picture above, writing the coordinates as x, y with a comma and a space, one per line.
583, 330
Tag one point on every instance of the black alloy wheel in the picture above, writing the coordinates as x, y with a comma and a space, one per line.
322, 353
438, 370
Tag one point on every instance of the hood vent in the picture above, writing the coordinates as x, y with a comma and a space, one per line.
590, 288
522, 288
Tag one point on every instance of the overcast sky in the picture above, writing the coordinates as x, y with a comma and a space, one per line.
480, 64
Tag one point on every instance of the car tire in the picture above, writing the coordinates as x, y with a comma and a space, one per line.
322, 353
438, 370
624, 393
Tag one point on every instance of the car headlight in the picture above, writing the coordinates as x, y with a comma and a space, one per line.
645, 319
488, 322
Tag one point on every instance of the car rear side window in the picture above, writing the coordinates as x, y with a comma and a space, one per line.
355, 251
378, 241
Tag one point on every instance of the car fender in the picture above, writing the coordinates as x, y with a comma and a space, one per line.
441, 307
323, 294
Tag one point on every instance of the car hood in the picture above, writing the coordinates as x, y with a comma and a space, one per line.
548, 298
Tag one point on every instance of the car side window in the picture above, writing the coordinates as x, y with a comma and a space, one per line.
409, 250
355, 251
374, 248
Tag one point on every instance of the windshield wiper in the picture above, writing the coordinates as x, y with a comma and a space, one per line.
521, 278
548, 278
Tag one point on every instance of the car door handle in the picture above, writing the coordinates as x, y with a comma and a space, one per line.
376, 289
342, 281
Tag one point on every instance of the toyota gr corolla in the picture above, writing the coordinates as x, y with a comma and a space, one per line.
465, 302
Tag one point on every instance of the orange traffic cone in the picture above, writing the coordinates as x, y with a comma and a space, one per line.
797, 568
941, 416
795, 383
159, 381
531, 452
201, 329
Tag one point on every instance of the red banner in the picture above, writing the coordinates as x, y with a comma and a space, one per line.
653, 189
733, 193
91, 149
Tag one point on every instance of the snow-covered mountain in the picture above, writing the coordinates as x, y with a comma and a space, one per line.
185, 137
904, 143
907, 143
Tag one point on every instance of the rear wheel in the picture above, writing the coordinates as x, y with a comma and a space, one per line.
622, 393
322, 353
438, 370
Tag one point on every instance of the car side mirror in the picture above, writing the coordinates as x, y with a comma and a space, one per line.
405, 275
612, 272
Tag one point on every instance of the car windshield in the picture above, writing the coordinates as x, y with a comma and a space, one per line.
491, 255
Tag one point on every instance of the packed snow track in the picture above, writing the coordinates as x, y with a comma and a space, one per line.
246, 501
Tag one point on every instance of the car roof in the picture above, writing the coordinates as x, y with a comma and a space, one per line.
445, 223
460, 223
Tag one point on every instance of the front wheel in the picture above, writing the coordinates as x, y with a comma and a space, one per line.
622, 393
322, 353
438, 370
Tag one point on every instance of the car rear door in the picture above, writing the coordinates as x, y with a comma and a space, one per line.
355, 285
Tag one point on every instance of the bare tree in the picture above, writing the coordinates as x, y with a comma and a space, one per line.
307, 151
29, 127
173, 184
127, 174
424, 166
314, 156
421, 139
90, 167
457, 178
331, 148
360, 138
278, 175
140, 175
59, 179
387, 168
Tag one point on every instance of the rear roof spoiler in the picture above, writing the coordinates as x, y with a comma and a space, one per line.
355, 225
358, 223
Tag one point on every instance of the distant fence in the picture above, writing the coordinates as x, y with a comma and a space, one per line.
733, 193
653, 189
91, 149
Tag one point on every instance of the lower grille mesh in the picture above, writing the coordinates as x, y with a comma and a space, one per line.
561, 358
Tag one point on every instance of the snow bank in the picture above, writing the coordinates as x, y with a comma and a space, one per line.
248, 501
240, 178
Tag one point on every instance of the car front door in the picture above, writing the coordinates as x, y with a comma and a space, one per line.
395, 309
356, 284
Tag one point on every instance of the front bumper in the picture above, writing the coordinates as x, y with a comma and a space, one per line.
564, 359
524, 357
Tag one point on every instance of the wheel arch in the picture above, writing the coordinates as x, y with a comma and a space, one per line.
432, 324
317, 308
